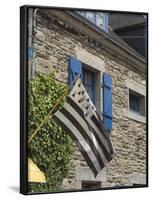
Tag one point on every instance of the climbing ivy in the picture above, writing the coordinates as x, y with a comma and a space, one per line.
51, 148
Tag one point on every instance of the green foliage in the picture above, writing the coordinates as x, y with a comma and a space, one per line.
51, 148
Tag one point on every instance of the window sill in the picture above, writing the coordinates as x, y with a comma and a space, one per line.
136, 117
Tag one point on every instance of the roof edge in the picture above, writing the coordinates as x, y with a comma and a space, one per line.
111, 45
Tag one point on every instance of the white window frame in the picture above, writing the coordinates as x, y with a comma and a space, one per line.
140, 89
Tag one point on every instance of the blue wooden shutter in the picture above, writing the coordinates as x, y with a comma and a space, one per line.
107, 101
75, 68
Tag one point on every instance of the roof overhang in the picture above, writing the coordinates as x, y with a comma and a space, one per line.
110, 44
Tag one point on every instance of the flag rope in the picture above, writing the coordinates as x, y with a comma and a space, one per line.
47, 116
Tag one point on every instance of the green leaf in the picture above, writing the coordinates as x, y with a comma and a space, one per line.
51, 148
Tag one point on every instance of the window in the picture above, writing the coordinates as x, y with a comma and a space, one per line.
88, 82
136, 103
90, 16
90, 70
82, 13
91, 185
98, 18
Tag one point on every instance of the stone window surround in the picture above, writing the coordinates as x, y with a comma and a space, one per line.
85, 174
137, 178
132, 85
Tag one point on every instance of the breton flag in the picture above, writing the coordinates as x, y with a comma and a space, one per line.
79, 118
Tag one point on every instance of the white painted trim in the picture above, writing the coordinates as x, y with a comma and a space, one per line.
136, 117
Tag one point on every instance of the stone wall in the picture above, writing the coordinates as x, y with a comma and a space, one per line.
53, 45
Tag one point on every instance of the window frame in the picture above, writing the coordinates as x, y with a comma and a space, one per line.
141, 91
134, 102
105, 18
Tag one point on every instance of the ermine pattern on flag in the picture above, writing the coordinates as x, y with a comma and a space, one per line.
79, 118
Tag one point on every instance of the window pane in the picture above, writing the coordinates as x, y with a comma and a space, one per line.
88, 81
83, 13
100, 14
134, 102
90, 16
99, 20
137, 103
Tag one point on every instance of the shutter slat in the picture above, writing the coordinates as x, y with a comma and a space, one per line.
75, 68
107, 101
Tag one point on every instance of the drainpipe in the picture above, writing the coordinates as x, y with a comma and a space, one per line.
34, 32
30, 38
31, 42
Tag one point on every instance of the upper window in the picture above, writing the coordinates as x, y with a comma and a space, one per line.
136, 101
98, 18
90, 16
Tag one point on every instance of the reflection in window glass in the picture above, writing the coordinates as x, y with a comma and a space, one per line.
83, 13
90, 16
99, 20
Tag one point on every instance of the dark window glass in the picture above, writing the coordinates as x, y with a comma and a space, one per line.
137, 103
88, 82
91, 185
134, 102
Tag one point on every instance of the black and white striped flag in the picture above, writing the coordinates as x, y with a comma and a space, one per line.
78, 117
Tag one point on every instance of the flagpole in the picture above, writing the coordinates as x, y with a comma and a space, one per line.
51, 111
47, 116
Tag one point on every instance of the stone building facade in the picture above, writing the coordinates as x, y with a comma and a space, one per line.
59, 34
